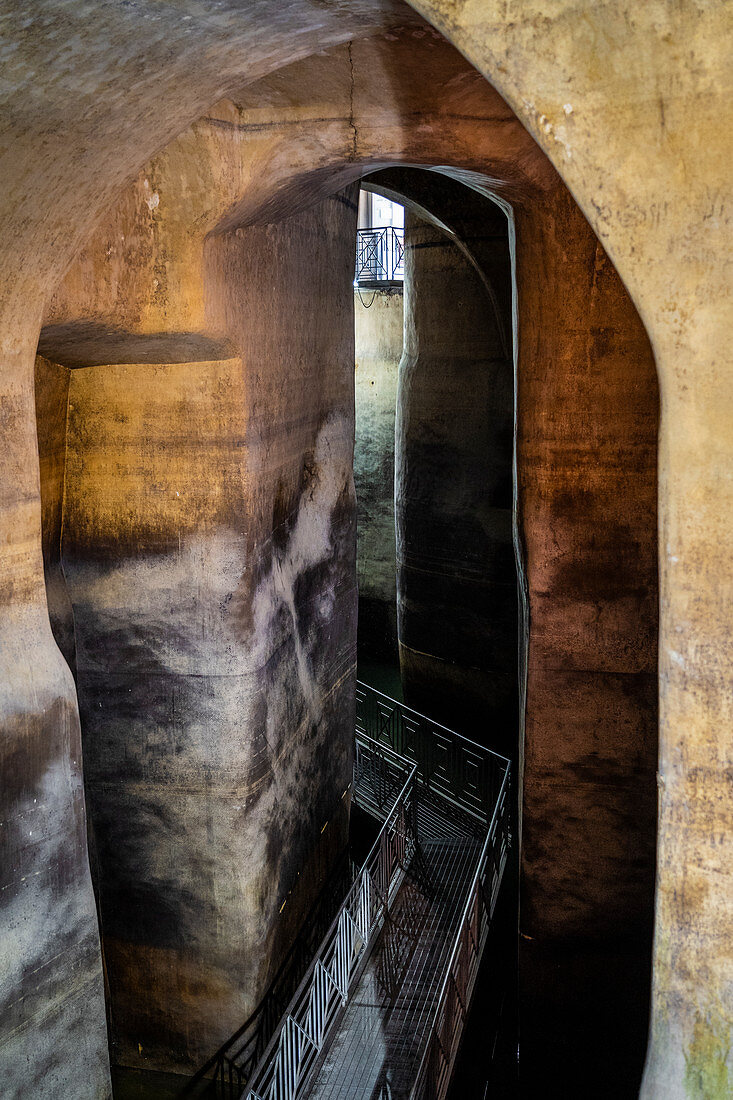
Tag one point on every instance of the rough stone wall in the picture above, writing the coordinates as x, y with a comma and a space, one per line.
273, 148
588, 411
178, 198
640, 144
457, 584
378, 325
586, 457
52, 1019
209, 549
52, 1009
627, 102
52, 400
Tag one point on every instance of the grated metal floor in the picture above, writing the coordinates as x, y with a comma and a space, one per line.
376, 1050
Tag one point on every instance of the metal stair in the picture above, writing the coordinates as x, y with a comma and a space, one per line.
380, 1011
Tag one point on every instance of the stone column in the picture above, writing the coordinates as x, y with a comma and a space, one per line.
53, 1039
209, 547
378, 336
456, 586
586, 449
52, 400
691, 1036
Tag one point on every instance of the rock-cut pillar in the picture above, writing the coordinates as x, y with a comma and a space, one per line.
209, 548
456, 577
53, 1038
378, 325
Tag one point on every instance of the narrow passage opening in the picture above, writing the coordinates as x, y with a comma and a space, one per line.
145, 541
433, 469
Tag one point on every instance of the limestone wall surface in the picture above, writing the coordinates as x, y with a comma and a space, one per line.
626, 101
187, 310
585, 453
587, 487
457, 581
378, 327
586, 462
52, 401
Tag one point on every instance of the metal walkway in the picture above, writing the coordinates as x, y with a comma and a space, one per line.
377, 1048
380, 1012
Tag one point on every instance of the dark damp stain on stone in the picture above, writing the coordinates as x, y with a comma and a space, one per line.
259, 774
102, 643
31, 753
277, 835
144, 865
309, 585
615, 565
343, 514
282, 515
287, 500
156, 915
238, 607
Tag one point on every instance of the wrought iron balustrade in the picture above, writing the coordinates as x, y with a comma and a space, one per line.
379, 776
454, 1001
453, 766
236, 1062
324, 993
380, 255
437, 863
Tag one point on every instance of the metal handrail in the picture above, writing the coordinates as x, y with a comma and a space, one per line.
323, 994
392, 741
468, 774
379, 775
452, 1006
235, 1062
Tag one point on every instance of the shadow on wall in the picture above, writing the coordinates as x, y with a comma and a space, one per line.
378, 327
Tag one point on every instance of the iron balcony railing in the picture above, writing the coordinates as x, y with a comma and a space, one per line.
380, 256
295, 1048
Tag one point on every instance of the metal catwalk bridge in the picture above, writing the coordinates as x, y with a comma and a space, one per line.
380, 1011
